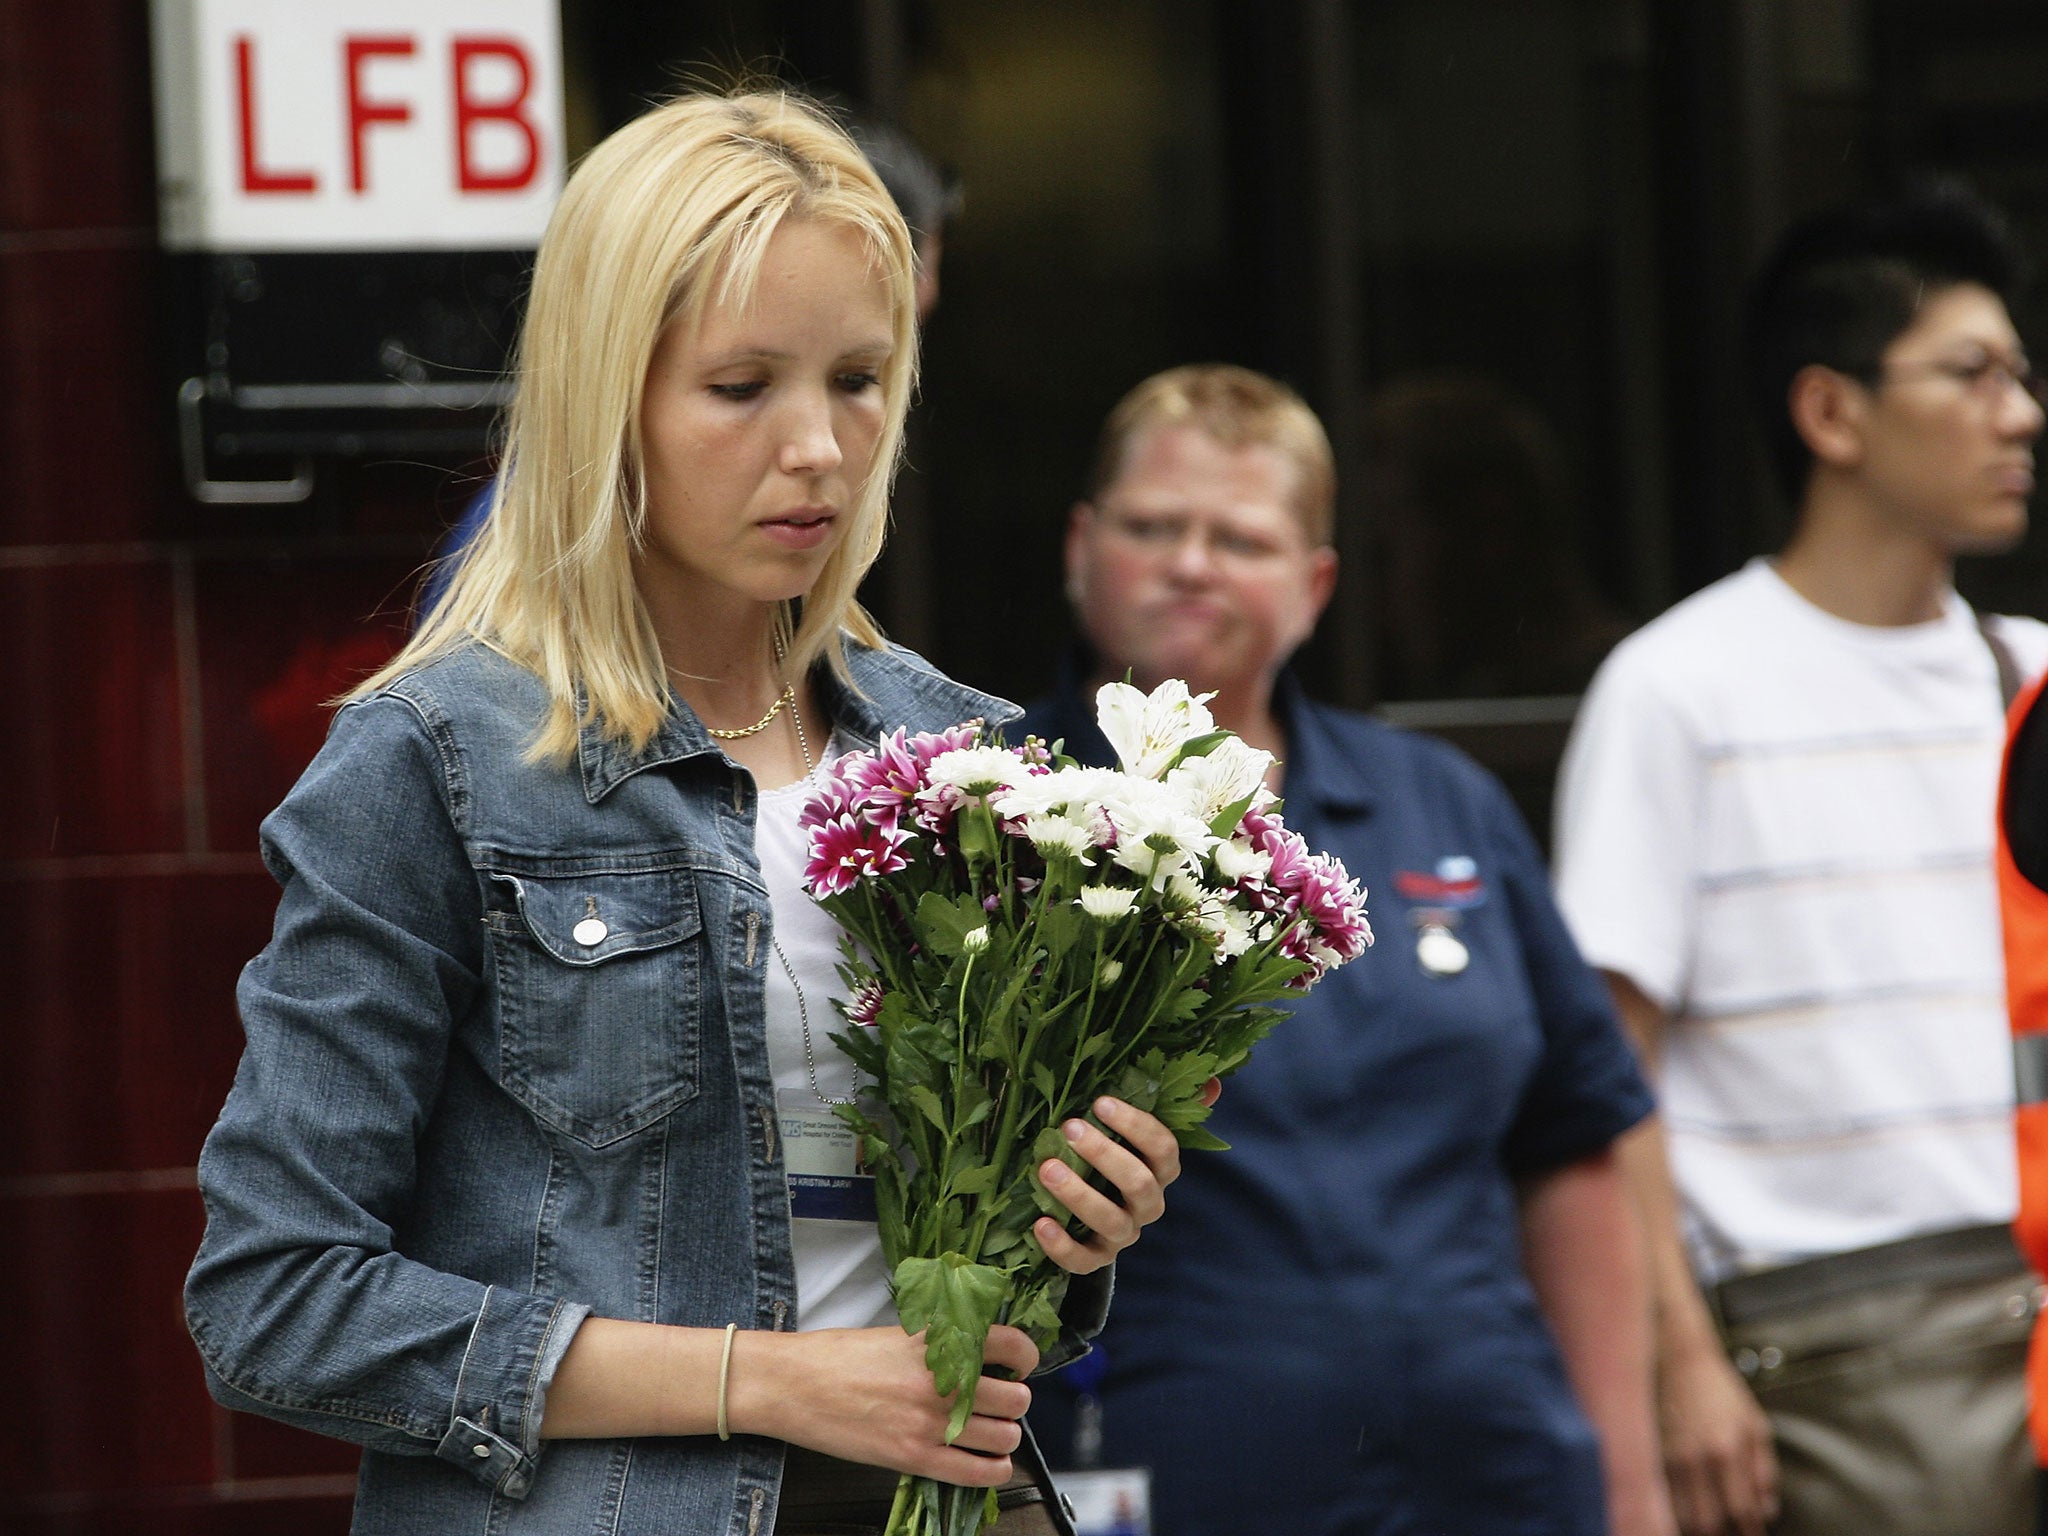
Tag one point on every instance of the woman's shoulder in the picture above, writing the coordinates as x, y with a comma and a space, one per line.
472, 691
895, 686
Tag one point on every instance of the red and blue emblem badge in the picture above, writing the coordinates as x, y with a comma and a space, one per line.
1455, 886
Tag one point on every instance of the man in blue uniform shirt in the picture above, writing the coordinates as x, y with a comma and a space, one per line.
1406, 1298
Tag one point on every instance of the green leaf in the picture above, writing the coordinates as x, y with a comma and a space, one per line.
978, 1180
953, 1302
862, 1049
1063, 928
996, 1244
918, 1053
928, 1104
1037, 1312
1052, 1142
1196, 1138
1227, 819
1196, 746
1042, 1079
943, 923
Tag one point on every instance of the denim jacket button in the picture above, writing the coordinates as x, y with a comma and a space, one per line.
590, 932
480, 1450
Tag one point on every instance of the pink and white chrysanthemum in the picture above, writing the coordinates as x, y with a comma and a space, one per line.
850, 848
833, 794
1331, 900
927, 745
886, 782
865, 1006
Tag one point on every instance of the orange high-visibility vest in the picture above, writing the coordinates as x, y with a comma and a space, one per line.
2023, 907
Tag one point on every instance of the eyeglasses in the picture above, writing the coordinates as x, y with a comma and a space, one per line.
1985, 377
1164, 533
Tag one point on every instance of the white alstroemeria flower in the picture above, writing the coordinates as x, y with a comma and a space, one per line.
1106, 903
1058, 835
1237, 861
977, 770
1148, 729
1227, 773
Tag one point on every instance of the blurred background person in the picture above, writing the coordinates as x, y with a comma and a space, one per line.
1774, 835
1395, 1304
1471, 500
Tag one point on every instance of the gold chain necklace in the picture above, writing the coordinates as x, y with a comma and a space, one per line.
787, 696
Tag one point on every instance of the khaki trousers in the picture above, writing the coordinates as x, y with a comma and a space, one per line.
1899, 1409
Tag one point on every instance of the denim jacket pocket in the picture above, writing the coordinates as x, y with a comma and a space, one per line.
598, 992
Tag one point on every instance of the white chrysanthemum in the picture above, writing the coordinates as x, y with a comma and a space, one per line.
1225, 774
1112, 970
1059, 836
1229, 929
975, 941
1237, 860
1157, 841
977, 770
1148, 729
1106, 903
1066, 792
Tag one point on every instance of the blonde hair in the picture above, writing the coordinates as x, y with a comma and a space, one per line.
1239, 409
666, 218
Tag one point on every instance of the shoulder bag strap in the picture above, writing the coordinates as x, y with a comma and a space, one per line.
2009, 680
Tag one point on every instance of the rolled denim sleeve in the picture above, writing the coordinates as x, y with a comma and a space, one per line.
301, 1305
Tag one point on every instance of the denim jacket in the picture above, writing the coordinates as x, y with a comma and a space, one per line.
505, 1068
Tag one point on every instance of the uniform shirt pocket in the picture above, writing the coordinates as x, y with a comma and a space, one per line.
598, 982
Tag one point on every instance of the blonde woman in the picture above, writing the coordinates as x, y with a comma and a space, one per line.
501, 1190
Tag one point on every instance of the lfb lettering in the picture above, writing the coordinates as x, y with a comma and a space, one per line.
478, 105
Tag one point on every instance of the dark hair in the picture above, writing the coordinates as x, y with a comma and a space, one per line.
926, 194
1842, 285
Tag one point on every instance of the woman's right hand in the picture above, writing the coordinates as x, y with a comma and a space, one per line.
866, 1395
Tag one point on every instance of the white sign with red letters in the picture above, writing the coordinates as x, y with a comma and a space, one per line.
339, 125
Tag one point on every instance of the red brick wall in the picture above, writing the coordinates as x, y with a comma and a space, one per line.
163, 662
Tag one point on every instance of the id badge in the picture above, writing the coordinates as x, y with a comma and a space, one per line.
821, 1158
1109, 1501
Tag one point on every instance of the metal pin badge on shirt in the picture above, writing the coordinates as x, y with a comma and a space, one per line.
1446, 894
1438, 950
592, 930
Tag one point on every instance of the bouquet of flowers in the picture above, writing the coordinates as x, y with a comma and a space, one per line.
1024, 935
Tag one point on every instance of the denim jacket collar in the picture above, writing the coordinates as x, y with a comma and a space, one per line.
881, 687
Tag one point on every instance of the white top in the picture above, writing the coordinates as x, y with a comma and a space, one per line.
841, 1281
1778, 824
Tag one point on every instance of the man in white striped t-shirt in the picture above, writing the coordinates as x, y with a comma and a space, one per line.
1774, 837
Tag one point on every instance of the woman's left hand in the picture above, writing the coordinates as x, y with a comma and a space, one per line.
1139, 1169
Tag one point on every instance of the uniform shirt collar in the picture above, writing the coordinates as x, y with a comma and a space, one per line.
1321, 767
